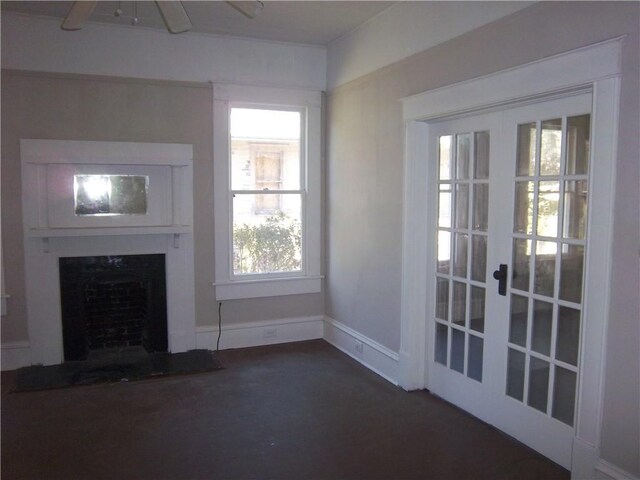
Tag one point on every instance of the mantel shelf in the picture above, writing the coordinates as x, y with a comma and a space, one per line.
102, 231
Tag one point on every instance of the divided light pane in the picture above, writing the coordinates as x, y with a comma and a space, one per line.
460, 248
568, 335
575, 209
442, 298
571, 271
518, 320
520, 264
481, 157
545, 265
578, 145
526, 156
515, 374
474, 362
551, 147
481, 207
523, 211
441, 344
444, 154
478, 258
541, 328
538, 384
564, 395
457, 350
463, 146
462, 206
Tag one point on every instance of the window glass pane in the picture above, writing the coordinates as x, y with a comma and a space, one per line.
480, 206
521, 256
462, 206
550, 148
442, 298
541, 331
545, 268
444, 206
463, 144
474, 363
578, 144
518, 320
460, 246
265, 149
538, 383
478, 258
476, 317
571, 268
457, 350
564, 395
575, 209
515, 374
568, 338
445, 158
459, 303
267, 233
444, 251
441, 344
481, 163
526, 165
523, 216
105, 195
548, 197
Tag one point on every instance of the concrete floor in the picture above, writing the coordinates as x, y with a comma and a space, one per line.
294, 411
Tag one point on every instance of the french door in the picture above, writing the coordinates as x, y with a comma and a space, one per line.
508, 267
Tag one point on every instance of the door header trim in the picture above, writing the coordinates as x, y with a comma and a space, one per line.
564, 72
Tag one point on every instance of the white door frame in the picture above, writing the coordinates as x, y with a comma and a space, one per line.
594, 68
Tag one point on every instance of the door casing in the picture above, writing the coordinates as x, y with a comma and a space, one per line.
595, 69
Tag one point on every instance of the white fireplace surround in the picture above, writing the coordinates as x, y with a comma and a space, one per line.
52, 230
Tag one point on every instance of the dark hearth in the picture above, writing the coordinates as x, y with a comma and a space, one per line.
113, 302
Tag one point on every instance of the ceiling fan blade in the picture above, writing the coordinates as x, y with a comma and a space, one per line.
175, 16
78, 15
249, 9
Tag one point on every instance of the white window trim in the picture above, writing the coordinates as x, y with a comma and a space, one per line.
309, 280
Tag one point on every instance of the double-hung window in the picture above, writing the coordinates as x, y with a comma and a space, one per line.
266, 191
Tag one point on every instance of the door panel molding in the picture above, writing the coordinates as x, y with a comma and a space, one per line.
594, 68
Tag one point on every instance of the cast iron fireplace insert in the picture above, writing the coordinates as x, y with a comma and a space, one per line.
113, 302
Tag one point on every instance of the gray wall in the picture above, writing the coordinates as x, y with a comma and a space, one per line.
114, 109
364, 184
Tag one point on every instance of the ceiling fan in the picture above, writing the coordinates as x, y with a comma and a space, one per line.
172, 11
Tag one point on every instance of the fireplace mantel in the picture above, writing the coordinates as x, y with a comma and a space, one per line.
53, 229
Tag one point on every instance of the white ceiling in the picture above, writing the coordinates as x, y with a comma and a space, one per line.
310, 22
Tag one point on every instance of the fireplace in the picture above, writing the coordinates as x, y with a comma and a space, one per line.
113, 303
119, 216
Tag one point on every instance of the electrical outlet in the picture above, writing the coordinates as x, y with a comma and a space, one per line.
359, 347
270, 333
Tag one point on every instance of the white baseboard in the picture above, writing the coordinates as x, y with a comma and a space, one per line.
586, 464
265, 332
15, 355
369, 353
608, 471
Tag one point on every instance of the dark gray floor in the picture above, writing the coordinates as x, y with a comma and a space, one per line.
295, 411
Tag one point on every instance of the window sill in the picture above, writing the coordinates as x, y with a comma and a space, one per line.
271, 287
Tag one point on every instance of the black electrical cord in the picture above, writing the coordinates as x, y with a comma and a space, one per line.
219, 325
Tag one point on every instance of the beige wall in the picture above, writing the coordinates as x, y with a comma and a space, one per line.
365, 175
111, 109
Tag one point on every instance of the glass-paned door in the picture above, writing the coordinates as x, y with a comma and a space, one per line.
508, 271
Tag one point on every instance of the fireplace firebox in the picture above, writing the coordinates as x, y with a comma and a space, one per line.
113, 302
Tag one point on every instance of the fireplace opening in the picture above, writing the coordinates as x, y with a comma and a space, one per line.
113, 303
